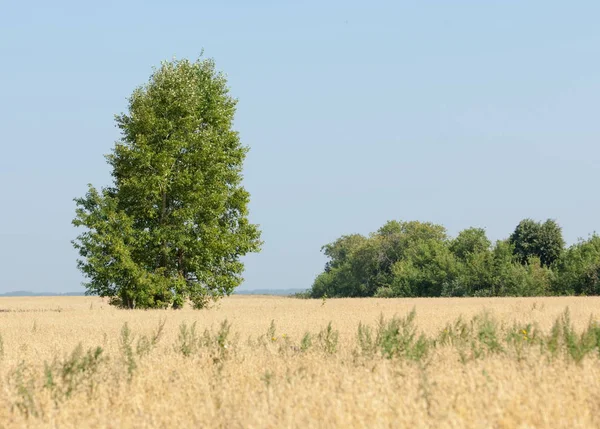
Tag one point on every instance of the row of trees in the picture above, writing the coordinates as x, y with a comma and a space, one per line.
412, 259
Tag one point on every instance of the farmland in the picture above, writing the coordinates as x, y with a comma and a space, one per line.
257, 361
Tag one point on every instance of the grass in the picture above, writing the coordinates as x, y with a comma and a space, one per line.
276, 362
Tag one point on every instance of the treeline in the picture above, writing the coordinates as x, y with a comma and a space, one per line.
419, 259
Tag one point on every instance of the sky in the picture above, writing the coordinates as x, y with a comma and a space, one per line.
464, 113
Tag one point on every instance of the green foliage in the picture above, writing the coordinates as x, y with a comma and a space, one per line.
591, 336
524, 280
470, 242
272, 331
564, 338
412, 259
475, 340
359, 266
268, 377
455, 334
394, 338
398, 338
143, 346
127, 349
306, 342
427, 267
24, 384
525, 239
365, 340
385, 292
578, 268
486, 331
216, 345
521, 337
483, 336
340, 251
188, 340
64, 377
474, 275
479, 337
219, 339
534, 239
174, 224
328, 339
125, 344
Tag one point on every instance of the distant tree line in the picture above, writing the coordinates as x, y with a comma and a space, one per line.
419, 259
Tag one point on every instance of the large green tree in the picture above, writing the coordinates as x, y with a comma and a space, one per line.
174, 223
540, 240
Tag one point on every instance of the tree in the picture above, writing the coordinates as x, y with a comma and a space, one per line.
533, 239
174, 223
524, 239
472, 250
409, 259
578, 269
361, 266
426, 269
550, 243
353, 268
340, 251
470, 241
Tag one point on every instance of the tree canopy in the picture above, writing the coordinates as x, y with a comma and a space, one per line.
410, 259
535, 239
174, 223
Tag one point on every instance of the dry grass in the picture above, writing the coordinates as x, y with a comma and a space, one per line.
261, 379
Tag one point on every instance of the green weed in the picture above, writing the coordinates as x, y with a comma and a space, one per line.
188, 339
328, 339
64, 377
398, 338
24, 384
364, 338
306, 342
126, 346
272, 332
143, 346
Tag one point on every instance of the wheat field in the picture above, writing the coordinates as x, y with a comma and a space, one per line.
74, 362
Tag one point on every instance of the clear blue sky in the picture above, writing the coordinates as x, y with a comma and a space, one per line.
465, 113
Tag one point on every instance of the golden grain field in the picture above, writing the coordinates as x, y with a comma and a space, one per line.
263, 375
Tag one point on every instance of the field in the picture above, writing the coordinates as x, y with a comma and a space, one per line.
274, 362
